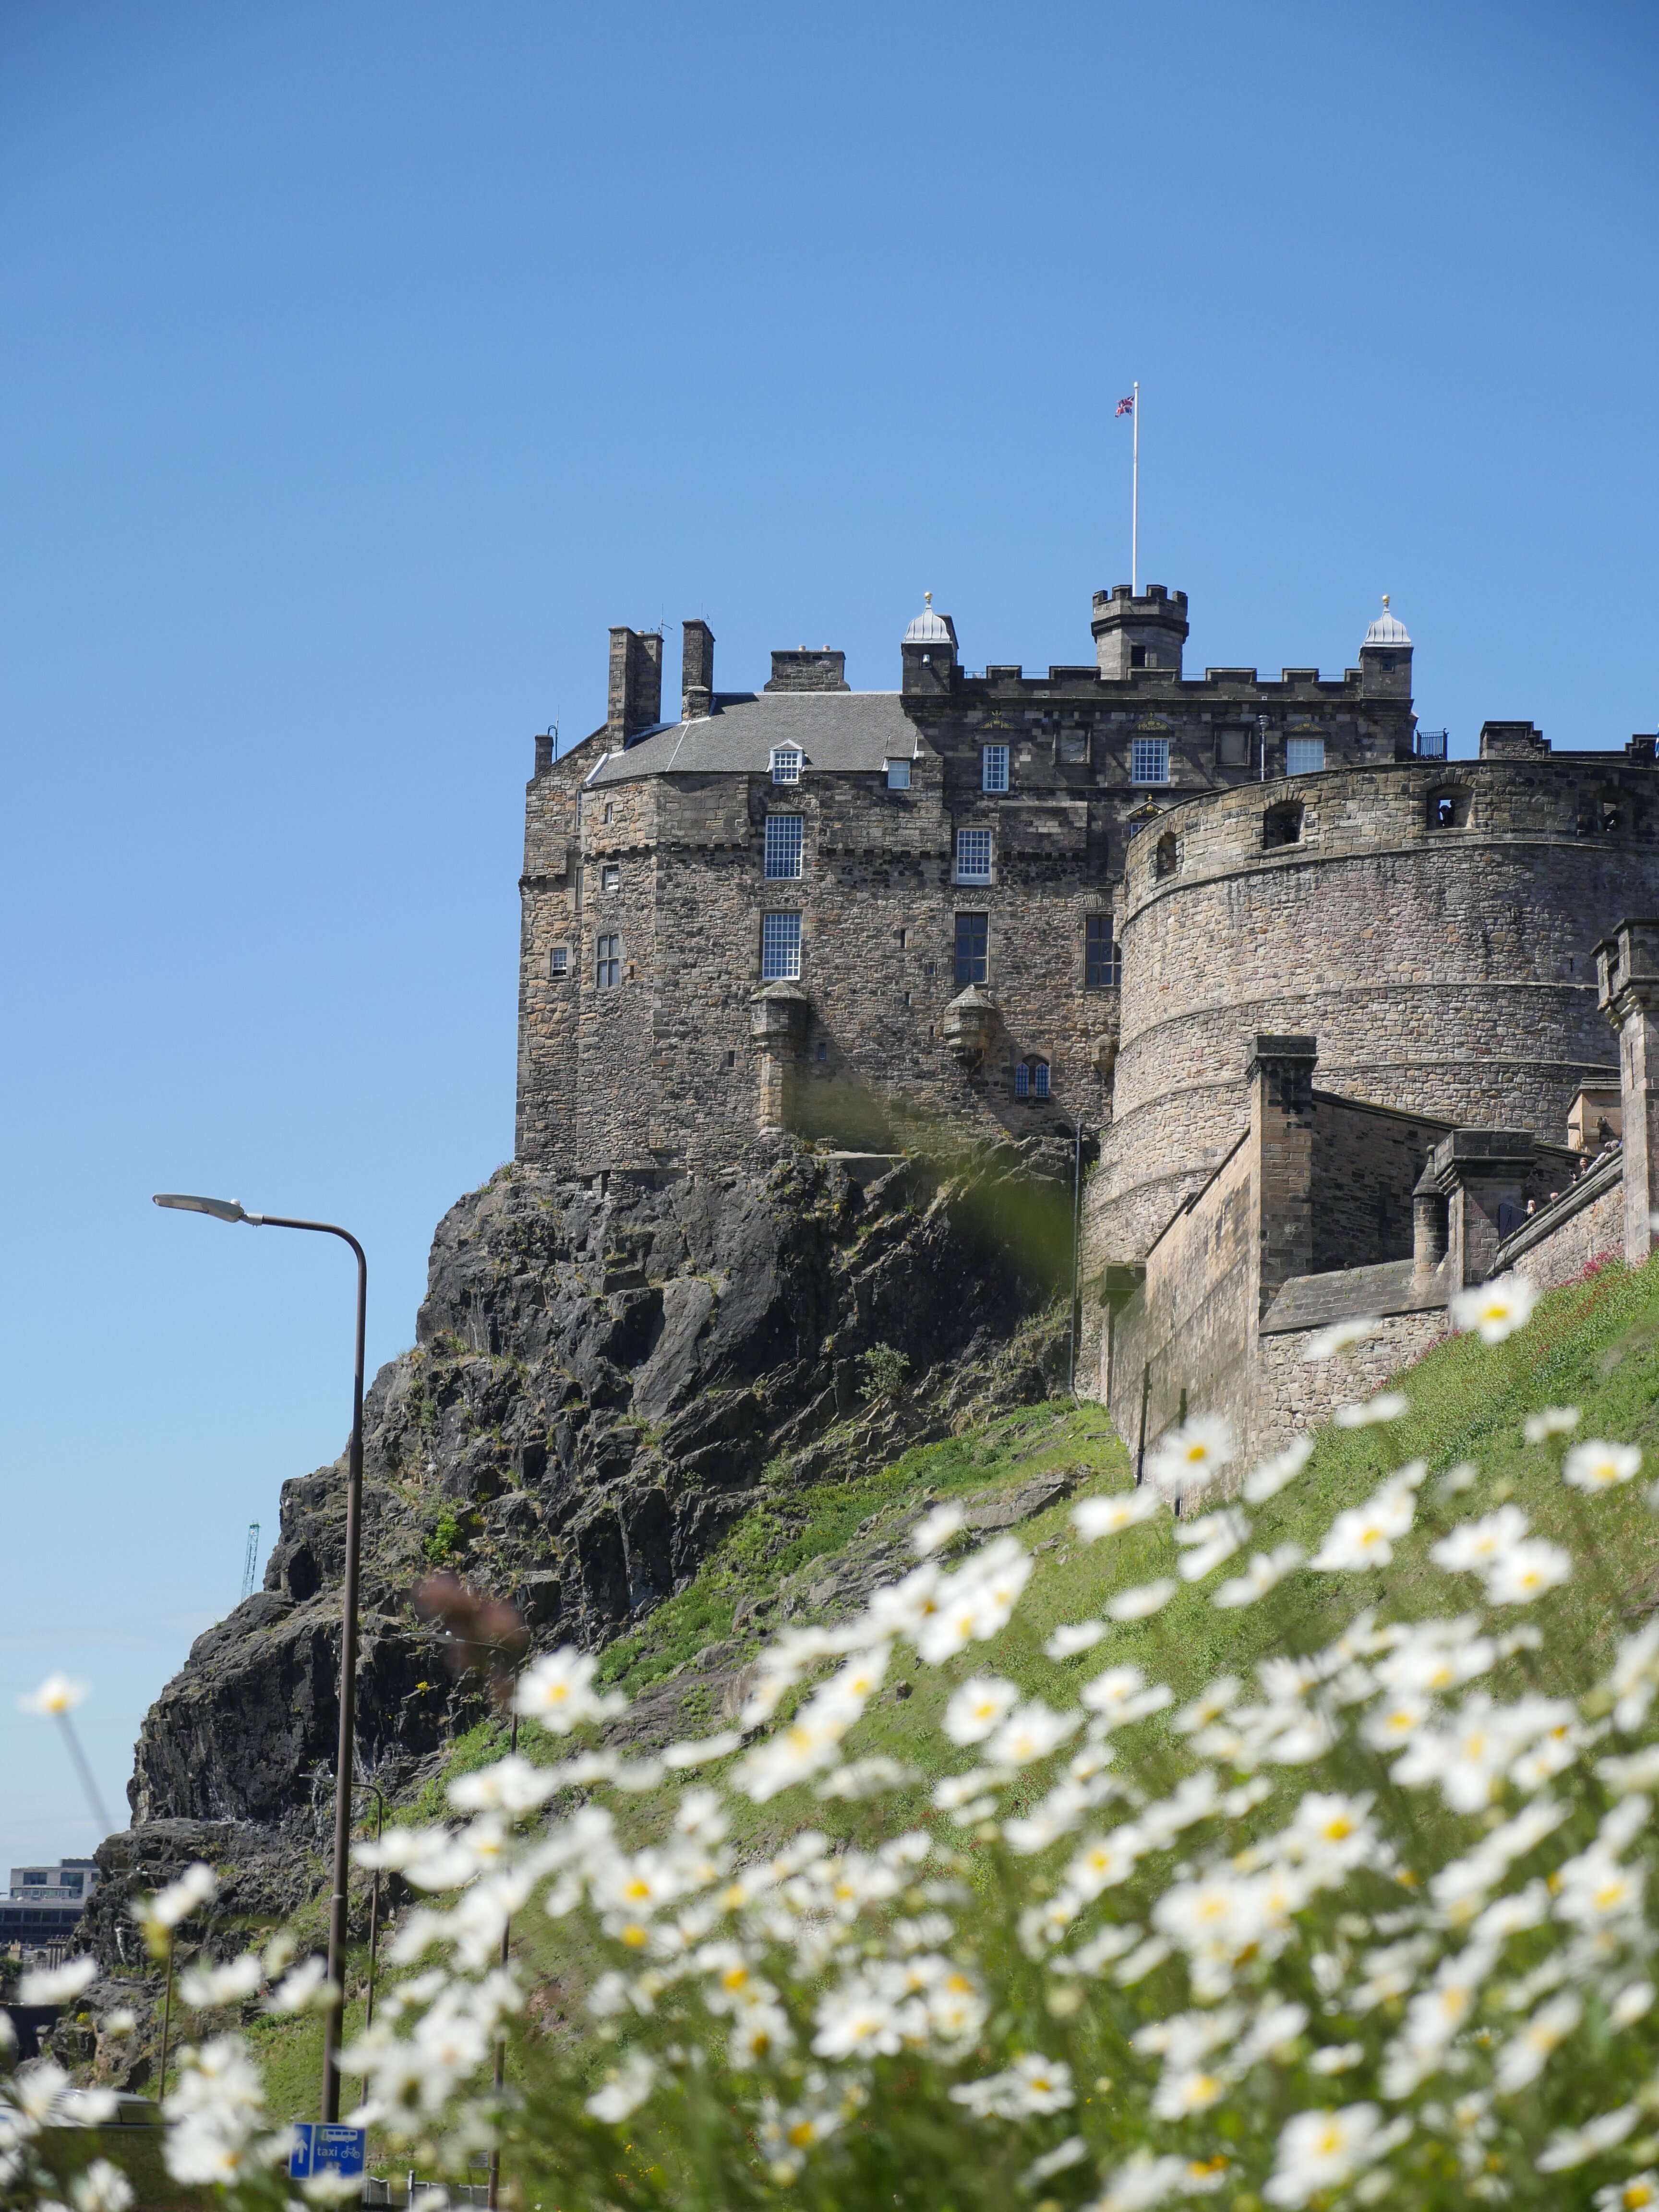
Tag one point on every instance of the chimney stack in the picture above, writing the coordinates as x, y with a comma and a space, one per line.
697, 669
636, 702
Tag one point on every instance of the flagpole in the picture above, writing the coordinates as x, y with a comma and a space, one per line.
1134, 503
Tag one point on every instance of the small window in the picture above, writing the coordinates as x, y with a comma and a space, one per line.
1282, 825
1611, 814
780, 948
994, 768
786, 763
1449, 809
1031, 1079
1104, 968
558, 963
1167, 858
824, 1052
973, 856
1303, 756
610, 878
898, 775
731, 1060
607, 963
608, 810
1232, 748
1137, 656
1149, 760
783, 844
973, 937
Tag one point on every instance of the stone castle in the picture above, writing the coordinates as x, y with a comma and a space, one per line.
1336, 1014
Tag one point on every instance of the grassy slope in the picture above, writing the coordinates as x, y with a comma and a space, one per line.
1595, 1345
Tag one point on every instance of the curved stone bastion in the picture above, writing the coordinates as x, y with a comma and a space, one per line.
1431, 923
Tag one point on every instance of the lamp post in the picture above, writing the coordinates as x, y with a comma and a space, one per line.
227, 1209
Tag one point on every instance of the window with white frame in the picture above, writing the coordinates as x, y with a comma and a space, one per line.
783, 844
898, 775
786, 763
994, 768
1303, 756
607, 963
780, 948
973, 856
1149, 760
610, 878
558, 963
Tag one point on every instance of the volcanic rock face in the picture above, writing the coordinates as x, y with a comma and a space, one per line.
600, 1378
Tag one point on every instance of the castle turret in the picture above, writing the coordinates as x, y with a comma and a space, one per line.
929, 652
1132, 632
1385, 658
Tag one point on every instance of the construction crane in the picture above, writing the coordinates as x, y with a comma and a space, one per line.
251, 1560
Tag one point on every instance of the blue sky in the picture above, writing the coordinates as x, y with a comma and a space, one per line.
360, 364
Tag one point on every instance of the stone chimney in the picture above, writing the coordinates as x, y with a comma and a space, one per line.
635, 701
697, 669
801, 669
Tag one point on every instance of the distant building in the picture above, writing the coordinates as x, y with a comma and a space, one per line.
47, 1902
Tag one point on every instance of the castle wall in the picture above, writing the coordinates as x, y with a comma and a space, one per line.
664, 1071
1583, 1224
1447, 972
1366, 1162
1185, 1340
1293, 1394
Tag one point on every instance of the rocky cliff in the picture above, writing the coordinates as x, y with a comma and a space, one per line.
604, 1379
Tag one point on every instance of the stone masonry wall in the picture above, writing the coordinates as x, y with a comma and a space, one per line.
1562, 1240
662, 1070
1293, 1394
1185, 1336
1366, 1162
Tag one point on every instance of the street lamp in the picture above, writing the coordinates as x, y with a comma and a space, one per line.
227, 1209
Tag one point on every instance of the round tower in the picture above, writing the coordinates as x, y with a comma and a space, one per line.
1430, 924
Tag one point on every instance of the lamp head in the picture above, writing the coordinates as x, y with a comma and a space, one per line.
221, 1209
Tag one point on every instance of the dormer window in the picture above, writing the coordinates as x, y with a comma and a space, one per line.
786, 763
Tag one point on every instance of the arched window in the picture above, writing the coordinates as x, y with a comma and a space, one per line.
1282, 824
1031, 1079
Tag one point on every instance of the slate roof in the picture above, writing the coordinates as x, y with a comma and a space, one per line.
834, 730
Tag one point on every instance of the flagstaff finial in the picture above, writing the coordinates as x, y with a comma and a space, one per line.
928, 599
1385, 599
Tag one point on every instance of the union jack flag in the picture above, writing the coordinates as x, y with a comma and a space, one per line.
1126, 406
